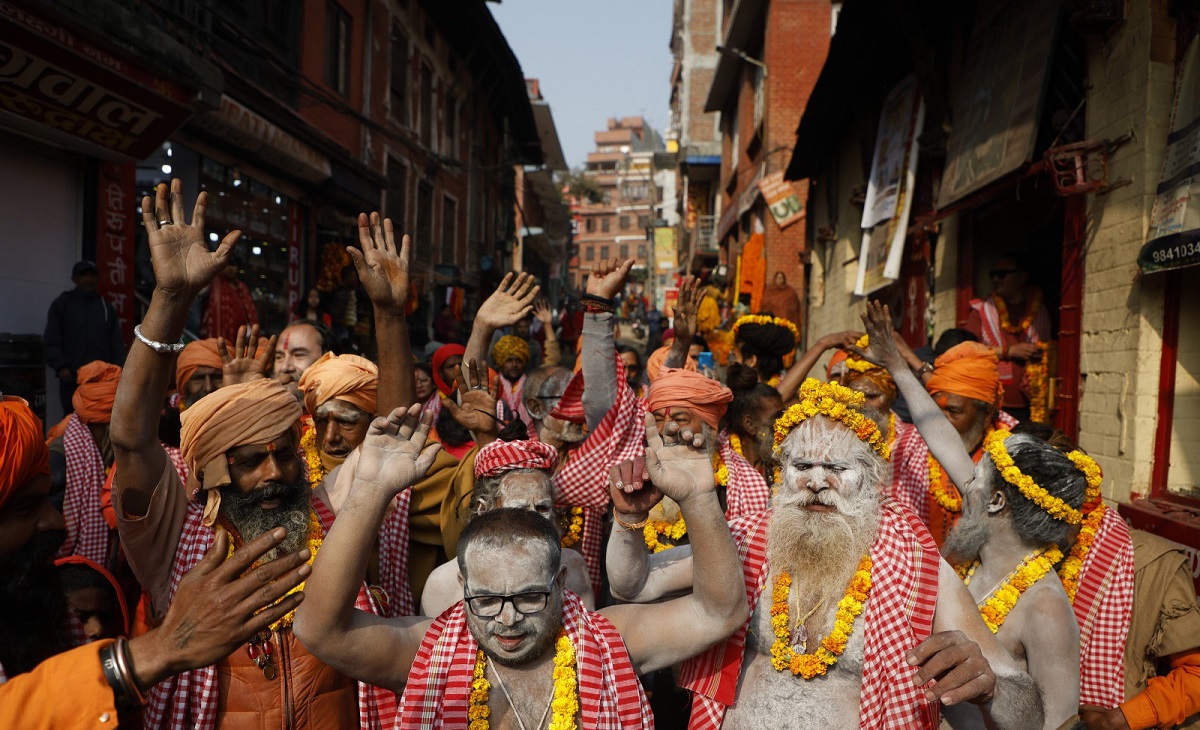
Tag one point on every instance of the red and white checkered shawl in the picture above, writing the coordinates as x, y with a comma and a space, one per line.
439, 684
190, 699
177, 461
88, 534
1103, 604
898, 616
747, 492
511, 396
910, 468
989, 320
583, 480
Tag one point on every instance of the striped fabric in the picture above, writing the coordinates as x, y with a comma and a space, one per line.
747, 493
439, 684
582, 480
88, 534
189, 700
898, 616
1103, 605
989, 320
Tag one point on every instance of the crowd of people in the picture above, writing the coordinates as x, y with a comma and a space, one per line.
254, 532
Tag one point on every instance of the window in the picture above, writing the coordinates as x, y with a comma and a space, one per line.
604, 224
634, 191
643, 221
397, 195
624, 251
449, 230
624, 223
642, 251
427, 102
604, 253
399, 81
590, 225
424, 223
451, 126
337, 48
591, 253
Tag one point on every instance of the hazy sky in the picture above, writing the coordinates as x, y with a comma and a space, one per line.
595, 59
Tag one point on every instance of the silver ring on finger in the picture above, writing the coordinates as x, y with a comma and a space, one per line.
479, 387
164, 223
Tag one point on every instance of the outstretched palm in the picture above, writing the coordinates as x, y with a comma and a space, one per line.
878, 322
382, 268
681, 469
511, 302
393, 456
179, 252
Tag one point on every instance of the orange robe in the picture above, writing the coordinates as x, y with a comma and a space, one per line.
35, 699
1167, 701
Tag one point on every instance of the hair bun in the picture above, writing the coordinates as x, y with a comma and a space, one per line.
740, 378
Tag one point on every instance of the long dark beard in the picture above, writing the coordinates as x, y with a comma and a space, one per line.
251, 520
33, 609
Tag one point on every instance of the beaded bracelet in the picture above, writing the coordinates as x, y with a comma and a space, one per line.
630, 525
597, 305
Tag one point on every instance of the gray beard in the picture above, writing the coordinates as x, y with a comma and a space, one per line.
250, 520
966, 540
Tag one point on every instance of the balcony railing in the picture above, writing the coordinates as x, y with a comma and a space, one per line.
704, 234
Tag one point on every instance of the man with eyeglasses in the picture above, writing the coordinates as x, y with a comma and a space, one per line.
1012, 321
519, 650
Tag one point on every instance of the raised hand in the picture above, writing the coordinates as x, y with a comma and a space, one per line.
478, 397
607, 278
877, 320
393, 455
243, 365
691, 294
543, 313
183, 265
677, 461
219, 605
510, 303
382, 267
633, 495
957, 667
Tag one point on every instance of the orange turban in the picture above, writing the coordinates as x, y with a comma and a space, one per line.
968, 369
97, 389
678, 388
658, 358
23, 452
257, 412
351, 378
198, 354
839, 356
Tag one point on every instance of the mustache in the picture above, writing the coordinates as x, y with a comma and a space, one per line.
272, 490
807, 497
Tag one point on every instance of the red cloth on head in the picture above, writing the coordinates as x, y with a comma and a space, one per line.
23, 452
444, 353
838, 356
499, 457
968, 369
121, 604
97, 389
201, 353
678, 388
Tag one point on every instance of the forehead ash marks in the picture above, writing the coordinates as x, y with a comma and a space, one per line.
339, 409
521, 564
819, 440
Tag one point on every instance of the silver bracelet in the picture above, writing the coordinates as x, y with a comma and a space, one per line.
161, 348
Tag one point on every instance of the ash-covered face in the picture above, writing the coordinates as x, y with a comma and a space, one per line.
512, 638
341, 427
527, 490
876, 397
970, 533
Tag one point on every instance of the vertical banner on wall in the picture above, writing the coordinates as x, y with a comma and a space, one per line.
293, 263
115, 229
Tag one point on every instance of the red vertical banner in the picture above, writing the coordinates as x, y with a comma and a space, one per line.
116, 225
293, 265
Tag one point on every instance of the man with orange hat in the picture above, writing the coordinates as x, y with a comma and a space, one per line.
198, 371
106, 680
966, 386
246, 476
83, 439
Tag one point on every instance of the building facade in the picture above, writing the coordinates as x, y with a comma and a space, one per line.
1061, 170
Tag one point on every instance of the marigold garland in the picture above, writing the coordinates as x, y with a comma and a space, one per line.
891, 434
996, 607
1037, 377
677, 529
944, 493
766, 319
1002, 310
312, 457
573, 529
1055, 507
817, 663
564, 705
856, 362
836, 402
1093, 509
316, 536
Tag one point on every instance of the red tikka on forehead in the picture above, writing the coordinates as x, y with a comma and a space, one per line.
284, 344
271, 449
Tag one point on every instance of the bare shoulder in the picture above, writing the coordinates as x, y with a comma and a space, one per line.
442, 589
1047, 613
574, 560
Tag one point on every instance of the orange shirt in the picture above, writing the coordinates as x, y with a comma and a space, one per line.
35, 699
1167, 701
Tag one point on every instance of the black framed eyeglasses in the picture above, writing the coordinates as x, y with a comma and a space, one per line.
490, 606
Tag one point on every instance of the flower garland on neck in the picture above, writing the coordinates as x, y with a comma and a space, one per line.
677, 529
997, 605
1036, 376
891, 434
814, 664
1093, 510
1055, 507
312, 457
1002, 309
572, 527
836, 402
565, 703
316, 536
944, 493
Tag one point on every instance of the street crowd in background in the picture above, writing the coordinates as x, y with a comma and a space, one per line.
599, 516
